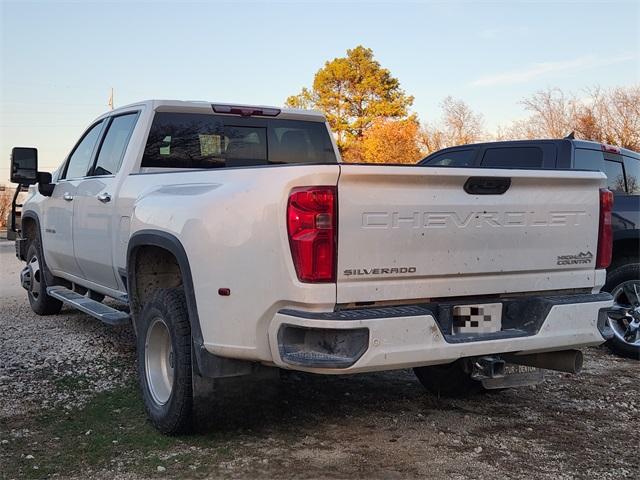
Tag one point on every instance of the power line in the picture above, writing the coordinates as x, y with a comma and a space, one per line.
53, 103
38, 126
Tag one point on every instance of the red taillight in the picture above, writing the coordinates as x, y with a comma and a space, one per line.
605, 234
311, 223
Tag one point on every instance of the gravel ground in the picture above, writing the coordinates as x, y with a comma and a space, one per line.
57, 372
39, 355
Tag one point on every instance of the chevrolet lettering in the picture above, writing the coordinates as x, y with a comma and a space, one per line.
472, 219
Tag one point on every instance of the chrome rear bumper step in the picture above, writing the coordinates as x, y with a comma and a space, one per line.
102, 312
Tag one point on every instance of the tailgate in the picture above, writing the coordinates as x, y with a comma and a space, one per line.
415, 233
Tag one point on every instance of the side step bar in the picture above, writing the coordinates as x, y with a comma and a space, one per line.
102, 312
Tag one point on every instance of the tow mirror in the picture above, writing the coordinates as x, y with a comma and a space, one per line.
24, 170
24, 165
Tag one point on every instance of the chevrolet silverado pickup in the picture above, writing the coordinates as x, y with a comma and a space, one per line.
235, 240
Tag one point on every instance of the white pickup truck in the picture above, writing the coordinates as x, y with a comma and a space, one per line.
239, 241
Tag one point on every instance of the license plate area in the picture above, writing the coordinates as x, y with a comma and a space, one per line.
476, 318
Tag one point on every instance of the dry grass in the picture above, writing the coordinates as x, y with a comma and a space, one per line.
5, 206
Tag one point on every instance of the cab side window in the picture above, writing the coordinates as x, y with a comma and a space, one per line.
114, 144
632, 169
80, 159
615, 176
454, 158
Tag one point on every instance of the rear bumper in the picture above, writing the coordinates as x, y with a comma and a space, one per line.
389, 338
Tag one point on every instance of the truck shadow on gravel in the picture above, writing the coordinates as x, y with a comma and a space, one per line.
374, 425
299, 398
111, 431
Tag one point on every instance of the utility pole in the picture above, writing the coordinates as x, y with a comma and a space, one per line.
111, 99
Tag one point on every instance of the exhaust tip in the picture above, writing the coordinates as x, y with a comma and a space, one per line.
578, 361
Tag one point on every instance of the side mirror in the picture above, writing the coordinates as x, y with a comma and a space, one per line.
45, 187
24, 165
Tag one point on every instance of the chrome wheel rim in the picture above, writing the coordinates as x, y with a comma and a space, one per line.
626, 327
36, 277
159, 361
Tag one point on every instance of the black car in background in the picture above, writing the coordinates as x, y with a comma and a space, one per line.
622, 168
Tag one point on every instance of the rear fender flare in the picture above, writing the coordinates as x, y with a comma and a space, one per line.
166, 241
206, 364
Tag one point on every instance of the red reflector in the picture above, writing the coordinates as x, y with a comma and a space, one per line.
610, 148
605, 233
312, 228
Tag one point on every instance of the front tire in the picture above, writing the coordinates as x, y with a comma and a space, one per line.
452, 380
40, 302
164, 361
624, 285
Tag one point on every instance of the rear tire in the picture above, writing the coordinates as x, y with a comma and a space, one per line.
164, 361
451, 380
40, 302
625, 275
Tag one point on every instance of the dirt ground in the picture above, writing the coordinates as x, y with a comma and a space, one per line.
69, 408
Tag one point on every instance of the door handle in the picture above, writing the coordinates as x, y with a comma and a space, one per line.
67, 196
104, 197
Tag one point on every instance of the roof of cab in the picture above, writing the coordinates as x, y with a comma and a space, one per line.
588, 144
597, 146
193, 106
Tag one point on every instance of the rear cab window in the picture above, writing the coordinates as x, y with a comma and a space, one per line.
533, 154
203, 141
587, 159
513, 157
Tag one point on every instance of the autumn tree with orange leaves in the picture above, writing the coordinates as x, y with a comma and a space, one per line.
368, 113
354, 92
607, 116
391, 141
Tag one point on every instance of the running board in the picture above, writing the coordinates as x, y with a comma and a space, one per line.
102, 312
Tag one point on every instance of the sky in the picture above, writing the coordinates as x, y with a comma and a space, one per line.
59, 60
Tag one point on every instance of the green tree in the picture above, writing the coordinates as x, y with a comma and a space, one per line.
352, 92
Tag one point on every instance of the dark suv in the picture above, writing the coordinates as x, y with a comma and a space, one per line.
622, 168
